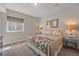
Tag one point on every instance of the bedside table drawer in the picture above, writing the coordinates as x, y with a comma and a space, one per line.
72, 41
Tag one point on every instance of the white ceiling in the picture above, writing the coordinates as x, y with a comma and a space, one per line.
41, 11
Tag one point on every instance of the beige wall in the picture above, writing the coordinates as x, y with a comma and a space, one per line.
1, 23
30, 22
30, 27
2, 19
69, 13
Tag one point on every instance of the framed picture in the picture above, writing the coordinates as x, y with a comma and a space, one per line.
54, 23
48, 23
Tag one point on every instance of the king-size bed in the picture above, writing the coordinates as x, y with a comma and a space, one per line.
46, 44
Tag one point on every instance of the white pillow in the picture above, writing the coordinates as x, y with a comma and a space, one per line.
56, 32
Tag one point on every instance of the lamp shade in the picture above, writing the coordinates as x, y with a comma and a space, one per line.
71, 25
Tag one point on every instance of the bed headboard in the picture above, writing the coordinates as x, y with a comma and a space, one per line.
51, 32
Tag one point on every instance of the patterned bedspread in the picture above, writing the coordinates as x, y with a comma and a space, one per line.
45, 44
40, 42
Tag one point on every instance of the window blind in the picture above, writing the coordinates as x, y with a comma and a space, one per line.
15, 19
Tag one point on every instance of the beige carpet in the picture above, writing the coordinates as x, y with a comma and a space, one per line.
69, 51
21, 49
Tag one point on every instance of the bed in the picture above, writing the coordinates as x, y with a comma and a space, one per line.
46, 44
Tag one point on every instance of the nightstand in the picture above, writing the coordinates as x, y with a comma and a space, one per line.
71, 40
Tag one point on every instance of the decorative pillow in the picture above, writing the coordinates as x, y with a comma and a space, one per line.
56, 32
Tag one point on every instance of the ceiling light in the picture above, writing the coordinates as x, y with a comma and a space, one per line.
35, 2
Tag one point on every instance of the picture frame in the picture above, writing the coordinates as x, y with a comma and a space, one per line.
54, 23
48, 23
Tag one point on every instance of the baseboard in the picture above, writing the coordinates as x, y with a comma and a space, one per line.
13, 43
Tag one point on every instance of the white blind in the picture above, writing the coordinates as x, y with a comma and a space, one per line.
15, 24
15, 19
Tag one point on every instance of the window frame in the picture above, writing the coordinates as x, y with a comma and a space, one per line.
15, 27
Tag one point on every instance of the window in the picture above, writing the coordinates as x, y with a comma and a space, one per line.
15, 24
